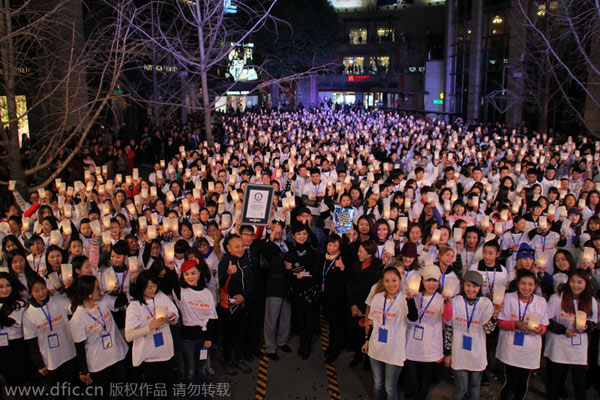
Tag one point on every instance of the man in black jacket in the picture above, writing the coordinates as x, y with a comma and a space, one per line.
278, 310
235, 280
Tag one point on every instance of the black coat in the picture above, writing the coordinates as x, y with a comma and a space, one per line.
272, 255
334, 297
361, 281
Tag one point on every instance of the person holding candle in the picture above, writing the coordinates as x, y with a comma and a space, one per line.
19, 267
511, 241
522, 323
526, 260
147, 322
543, 240
386, 333
449, 268
383, 240
469, 316
470, 253
424, 337
489, 267
12, 345
47, 333
37, 259
573, 313
100, 347
118, 253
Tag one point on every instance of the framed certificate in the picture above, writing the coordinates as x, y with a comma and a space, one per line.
258, 200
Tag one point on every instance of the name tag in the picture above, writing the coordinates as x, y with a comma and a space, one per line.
203, 354
519, 339
3, 339
576, 340
106, 341
467, 343
158, 339
419, 332
53, 341
383, 335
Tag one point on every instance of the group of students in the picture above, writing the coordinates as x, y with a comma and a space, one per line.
422, 243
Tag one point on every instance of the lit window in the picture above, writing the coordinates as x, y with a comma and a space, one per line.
385, 35
378, 64
354, 65
541, 10
358, 36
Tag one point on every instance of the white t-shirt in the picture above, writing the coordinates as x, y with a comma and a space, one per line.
197, 307
393, 350
56, 344
158, 344
123, 279
16, 330
560, 348
37, 264
491, 278
425, 337
451, 276
474, 359
104, 343
528, 355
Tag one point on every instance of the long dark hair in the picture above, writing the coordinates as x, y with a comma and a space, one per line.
141, 283
585, 298
50, 248
15, 241
29, 273
83, 289
13, 301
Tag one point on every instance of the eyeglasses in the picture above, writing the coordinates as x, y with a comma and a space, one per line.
529, 252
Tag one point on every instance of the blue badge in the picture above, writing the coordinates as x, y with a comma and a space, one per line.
467, 343
158, 339
419, 332
519, 339
576, 340
3, 339
106, 341
383, 335
53, 341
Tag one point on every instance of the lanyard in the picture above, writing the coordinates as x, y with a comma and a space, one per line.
472, 258
152, 314
575, 313
522, 318
422, 314
103, 323
380, 252
519, 241
47, 315
544, 244
326, 269
388, 309
469, 319
123, 280
36, 266
488, 278
443, 280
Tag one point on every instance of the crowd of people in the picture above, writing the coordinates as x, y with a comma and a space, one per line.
426, 245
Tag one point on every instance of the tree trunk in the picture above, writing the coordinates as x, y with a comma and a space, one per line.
206, 109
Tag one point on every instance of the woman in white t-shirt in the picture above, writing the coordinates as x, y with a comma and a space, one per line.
425, 336
388, 316
567, 338
470, 312
46, 331
147, 322
99, 344
522, 323
199, 317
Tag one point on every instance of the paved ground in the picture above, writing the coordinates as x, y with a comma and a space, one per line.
295, 379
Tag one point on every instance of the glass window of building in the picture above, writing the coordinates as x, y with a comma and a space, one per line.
385, 35
378, 65
354, 65
358, 36
497, 24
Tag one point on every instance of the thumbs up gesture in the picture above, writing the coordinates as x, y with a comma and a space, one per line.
231, 269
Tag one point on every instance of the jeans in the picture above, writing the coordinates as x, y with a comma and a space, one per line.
466, 380
385, 375
195, 369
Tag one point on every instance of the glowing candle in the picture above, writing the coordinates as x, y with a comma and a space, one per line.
485, 222
235, 196
154, 217
403, 223
133, 264
435, 237
195, 208
128, 179
170, 196
226, 220
534, 320
26, 223
447, 205
457, 235
106, 221
105, 209
450, 286
185, 204
166, 224
88, 188
174, 224
498, 295
54, 237
11, 185
95, 227
542, 259
54, 280
106, 238
580, 320
504, 215
131, 209
543, 223
152, 232
170, 252
211, 186
389, 247
161, 312
414, 283
498, 228
110, 279
136, 174
66, 271
137, 200
143, 224
588, 254
66, 227
144, 193
197, 228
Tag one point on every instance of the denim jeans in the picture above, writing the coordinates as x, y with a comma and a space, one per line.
195, 369
466, 380
385, 375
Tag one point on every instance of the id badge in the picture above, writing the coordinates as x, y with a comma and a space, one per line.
3, 339
383, 335
158, 339
106, 341
576, 340
519, 339
53, 341
419, 332
467, 343
203, 354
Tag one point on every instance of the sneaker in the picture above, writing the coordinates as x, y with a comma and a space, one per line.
273, 356
230, 368
243, 366
285, 348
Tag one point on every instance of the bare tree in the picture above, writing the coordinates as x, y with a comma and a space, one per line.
68, 76
566, 49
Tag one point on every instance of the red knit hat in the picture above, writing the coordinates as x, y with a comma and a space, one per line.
188, 265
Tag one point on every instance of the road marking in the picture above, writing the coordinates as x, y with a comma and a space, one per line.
263, 373
334, 389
